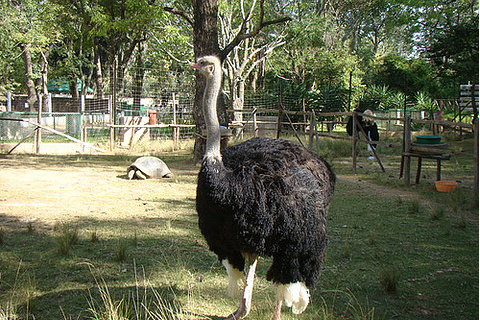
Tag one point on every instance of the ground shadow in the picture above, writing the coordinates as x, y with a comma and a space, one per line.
131, 302
33, 267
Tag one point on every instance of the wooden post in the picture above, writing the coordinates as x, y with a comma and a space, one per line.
419, 170
112, 129
280, 112
402, 159
113, 102
176, 134
82, 121
255, 125
439, 170
38, 141
304, 116
174, 108
475, 157
279, 122
175, 130
313, 126
112, 138
85, 138
407, 137
354, 142
9, 102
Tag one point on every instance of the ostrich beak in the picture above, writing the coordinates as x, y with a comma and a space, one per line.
195, 66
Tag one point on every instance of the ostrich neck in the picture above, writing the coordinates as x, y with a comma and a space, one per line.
211, 119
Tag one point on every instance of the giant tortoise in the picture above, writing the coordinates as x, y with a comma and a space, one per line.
148, 167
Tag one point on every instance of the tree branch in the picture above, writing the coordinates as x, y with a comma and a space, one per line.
180, 13
167, 52
242, 34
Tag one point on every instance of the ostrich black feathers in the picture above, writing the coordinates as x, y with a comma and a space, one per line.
267, 197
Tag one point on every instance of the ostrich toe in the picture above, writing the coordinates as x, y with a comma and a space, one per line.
240, 313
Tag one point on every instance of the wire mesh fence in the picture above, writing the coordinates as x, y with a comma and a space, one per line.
160, 98
163, 102
13, 131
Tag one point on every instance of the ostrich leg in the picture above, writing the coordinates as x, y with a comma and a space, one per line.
246, 301
278, 309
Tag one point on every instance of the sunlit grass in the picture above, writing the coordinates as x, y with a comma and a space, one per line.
381, 262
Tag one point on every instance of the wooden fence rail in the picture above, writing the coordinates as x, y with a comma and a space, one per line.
309, 129
175, 130
311, 123
39, 126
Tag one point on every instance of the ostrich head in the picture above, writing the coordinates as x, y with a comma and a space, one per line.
207, 66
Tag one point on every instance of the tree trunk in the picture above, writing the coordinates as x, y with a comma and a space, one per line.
139, 74
44, 80
205, 42
74, 92
98, 75
238, 99
32, 93
113, 88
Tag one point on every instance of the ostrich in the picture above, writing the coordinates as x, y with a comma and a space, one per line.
263, 197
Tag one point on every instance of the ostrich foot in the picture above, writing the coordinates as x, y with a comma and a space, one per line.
241, 312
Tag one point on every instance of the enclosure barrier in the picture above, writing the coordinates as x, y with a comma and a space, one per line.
36, 129
258, 120
310, 128
135, 131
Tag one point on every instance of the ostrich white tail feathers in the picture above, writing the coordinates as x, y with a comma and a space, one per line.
235, 278
296, 295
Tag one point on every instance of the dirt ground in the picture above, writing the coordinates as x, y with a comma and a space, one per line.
51, 189
58, 188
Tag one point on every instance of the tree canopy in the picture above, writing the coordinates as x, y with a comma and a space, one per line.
405, 46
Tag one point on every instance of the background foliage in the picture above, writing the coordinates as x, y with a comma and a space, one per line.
379, 51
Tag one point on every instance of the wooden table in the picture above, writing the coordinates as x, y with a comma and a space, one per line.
420, 156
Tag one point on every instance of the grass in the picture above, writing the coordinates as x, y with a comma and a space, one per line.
393, 253
389, 279
413, 206
66, 239
120, 251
